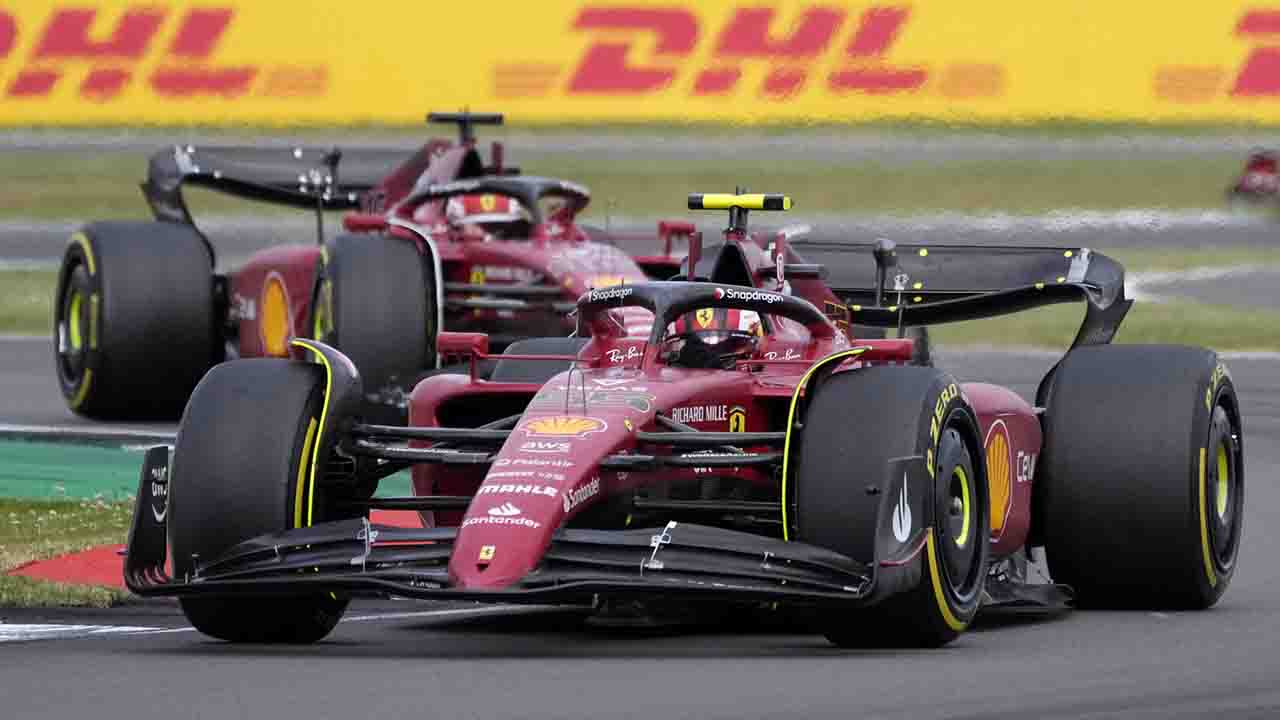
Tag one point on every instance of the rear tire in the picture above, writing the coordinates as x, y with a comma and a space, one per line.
134, 320
855, 425
375, 300
241, 468
1142, 477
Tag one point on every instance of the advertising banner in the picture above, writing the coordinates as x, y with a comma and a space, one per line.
551, 61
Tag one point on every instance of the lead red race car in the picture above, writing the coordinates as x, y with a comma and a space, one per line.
437, 239
744, 452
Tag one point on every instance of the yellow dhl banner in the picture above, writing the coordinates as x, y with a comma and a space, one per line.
333, 61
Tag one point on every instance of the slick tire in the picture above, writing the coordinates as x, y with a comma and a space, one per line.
242, 467
1142, 477
375, 300
856, 423
535, 371
134, 320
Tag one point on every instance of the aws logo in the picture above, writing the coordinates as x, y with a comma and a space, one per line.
170, 53
648, 49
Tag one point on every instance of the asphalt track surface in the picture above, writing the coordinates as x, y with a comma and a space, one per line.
447, 661
394, 659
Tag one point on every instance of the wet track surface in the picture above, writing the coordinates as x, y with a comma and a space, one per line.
510, 664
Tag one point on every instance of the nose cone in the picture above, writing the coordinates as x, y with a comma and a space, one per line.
544, 474
504, 535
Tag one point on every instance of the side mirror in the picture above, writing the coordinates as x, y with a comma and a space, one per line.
460, 343
364, 222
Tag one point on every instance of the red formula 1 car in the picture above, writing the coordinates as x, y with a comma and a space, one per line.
1259, 181
743, 452
443, 239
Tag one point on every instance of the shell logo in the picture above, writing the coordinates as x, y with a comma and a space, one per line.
275, 325
999, 474
564, 425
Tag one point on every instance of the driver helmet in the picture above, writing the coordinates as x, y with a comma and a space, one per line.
713, 337
485, 214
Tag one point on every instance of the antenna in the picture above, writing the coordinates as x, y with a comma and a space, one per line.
330, 160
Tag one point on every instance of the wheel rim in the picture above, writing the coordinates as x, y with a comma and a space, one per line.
72, 328
1224, 485
958, 510
960, 503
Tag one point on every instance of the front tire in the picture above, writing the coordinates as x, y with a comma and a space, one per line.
1142, 477
375, 300
857, 423
242, 467
134, 320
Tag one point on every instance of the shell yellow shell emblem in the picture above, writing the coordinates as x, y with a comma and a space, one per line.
564, 425
705, 317
275, 325
999, 474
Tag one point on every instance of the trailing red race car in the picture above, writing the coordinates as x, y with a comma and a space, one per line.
442, 239
743, 452
1259, 181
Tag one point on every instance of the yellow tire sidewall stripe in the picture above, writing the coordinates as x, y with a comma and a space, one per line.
82, 240
324, 420
303, 464
83, 391
1209, 572
935, 579
791, 421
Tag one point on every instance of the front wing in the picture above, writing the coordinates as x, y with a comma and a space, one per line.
359, 557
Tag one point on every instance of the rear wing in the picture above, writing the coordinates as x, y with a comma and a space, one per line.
934, 284
310, 178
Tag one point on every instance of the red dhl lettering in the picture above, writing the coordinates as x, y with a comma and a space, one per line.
611, 64
1260, 74
114, 43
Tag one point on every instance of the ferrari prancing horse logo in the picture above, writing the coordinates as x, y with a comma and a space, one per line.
705, 317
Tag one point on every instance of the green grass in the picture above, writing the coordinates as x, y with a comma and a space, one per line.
1215, 326
657, 186
53, 184
1162, 259
41, 529
26, 300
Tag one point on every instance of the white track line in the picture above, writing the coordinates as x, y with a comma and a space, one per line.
24, 632
89, 432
